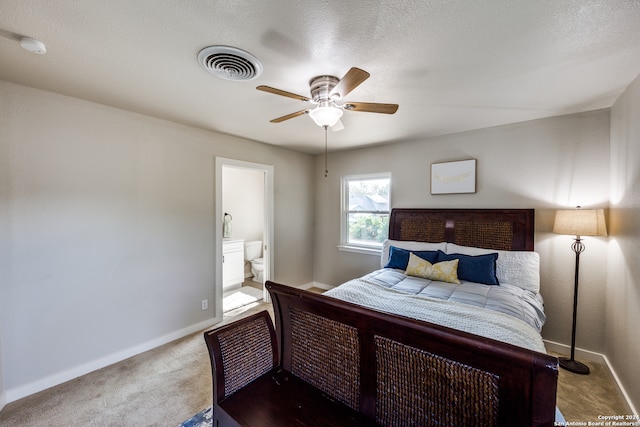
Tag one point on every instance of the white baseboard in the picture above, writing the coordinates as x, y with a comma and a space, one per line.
64, 376
593, 357
316, 285
557, 347
621, 389
304, 286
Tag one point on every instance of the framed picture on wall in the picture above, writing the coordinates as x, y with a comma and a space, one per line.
453, 177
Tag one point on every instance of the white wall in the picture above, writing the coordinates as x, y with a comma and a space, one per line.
107, 222
243, 198
623, 280
543, 164
5, 250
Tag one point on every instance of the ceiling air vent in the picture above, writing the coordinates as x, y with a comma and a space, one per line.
230, 63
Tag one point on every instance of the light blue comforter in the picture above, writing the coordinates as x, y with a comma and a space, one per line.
505, 298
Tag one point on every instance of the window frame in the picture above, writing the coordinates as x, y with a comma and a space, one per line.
345, 245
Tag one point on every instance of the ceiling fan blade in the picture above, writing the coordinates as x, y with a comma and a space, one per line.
290, 116
350, 81
282, 93
371, 107
337, 127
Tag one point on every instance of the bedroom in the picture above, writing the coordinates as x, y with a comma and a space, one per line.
97, 206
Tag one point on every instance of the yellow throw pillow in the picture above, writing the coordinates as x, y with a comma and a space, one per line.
445, 271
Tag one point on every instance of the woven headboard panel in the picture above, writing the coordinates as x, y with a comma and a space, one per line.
500, 229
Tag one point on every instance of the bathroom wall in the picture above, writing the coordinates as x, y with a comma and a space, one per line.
243, 198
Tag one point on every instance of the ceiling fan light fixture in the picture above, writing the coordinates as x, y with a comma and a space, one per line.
324, 115
326, 93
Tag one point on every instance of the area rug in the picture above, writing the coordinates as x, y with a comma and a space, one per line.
201, 419
243, 296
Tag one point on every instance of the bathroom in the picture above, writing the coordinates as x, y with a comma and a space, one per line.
243, 196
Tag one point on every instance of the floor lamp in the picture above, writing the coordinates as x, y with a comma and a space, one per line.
578, 222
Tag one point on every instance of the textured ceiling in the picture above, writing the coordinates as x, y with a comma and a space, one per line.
451, 65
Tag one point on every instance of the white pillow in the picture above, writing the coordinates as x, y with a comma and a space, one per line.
410, 246
518, 268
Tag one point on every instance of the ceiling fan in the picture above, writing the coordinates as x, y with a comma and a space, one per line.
327, 93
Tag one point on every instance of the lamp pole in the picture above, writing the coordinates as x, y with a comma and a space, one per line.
578, 222
571, 364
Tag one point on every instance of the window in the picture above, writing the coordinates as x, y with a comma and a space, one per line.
365, 210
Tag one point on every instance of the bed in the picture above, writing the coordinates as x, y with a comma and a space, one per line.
496, 293
395, 348
490, 285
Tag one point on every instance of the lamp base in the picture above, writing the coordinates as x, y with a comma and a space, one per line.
573, 366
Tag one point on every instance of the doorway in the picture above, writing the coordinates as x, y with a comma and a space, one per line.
236, 187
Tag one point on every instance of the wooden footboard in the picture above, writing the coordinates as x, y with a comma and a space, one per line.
400, 371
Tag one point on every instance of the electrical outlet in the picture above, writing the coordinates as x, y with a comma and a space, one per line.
205, 304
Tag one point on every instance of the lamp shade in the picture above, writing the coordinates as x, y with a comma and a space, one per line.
580, 222
326, 115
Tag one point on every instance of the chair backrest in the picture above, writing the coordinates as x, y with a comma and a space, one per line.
247, 348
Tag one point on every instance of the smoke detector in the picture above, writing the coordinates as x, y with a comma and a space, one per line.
230, 63
33, 45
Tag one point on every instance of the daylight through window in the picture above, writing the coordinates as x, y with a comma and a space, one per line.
366, 207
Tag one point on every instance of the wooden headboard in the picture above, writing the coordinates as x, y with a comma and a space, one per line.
501, 229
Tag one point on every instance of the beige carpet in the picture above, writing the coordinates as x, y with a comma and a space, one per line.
168, 385
161, 387
584, 397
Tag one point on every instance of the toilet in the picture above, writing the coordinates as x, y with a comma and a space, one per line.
253, 254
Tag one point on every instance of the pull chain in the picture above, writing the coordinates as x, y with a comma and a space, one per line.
326, 171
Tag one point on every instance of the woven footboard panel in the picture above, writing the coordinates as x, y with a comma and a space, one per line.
246, 354
325, 353
417, 388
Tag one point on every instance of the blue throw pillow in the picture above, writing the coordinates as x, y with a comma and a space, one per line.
399, 258
474, 268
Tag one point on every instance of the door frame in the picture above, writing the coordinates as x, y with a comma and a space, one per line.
267, 240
